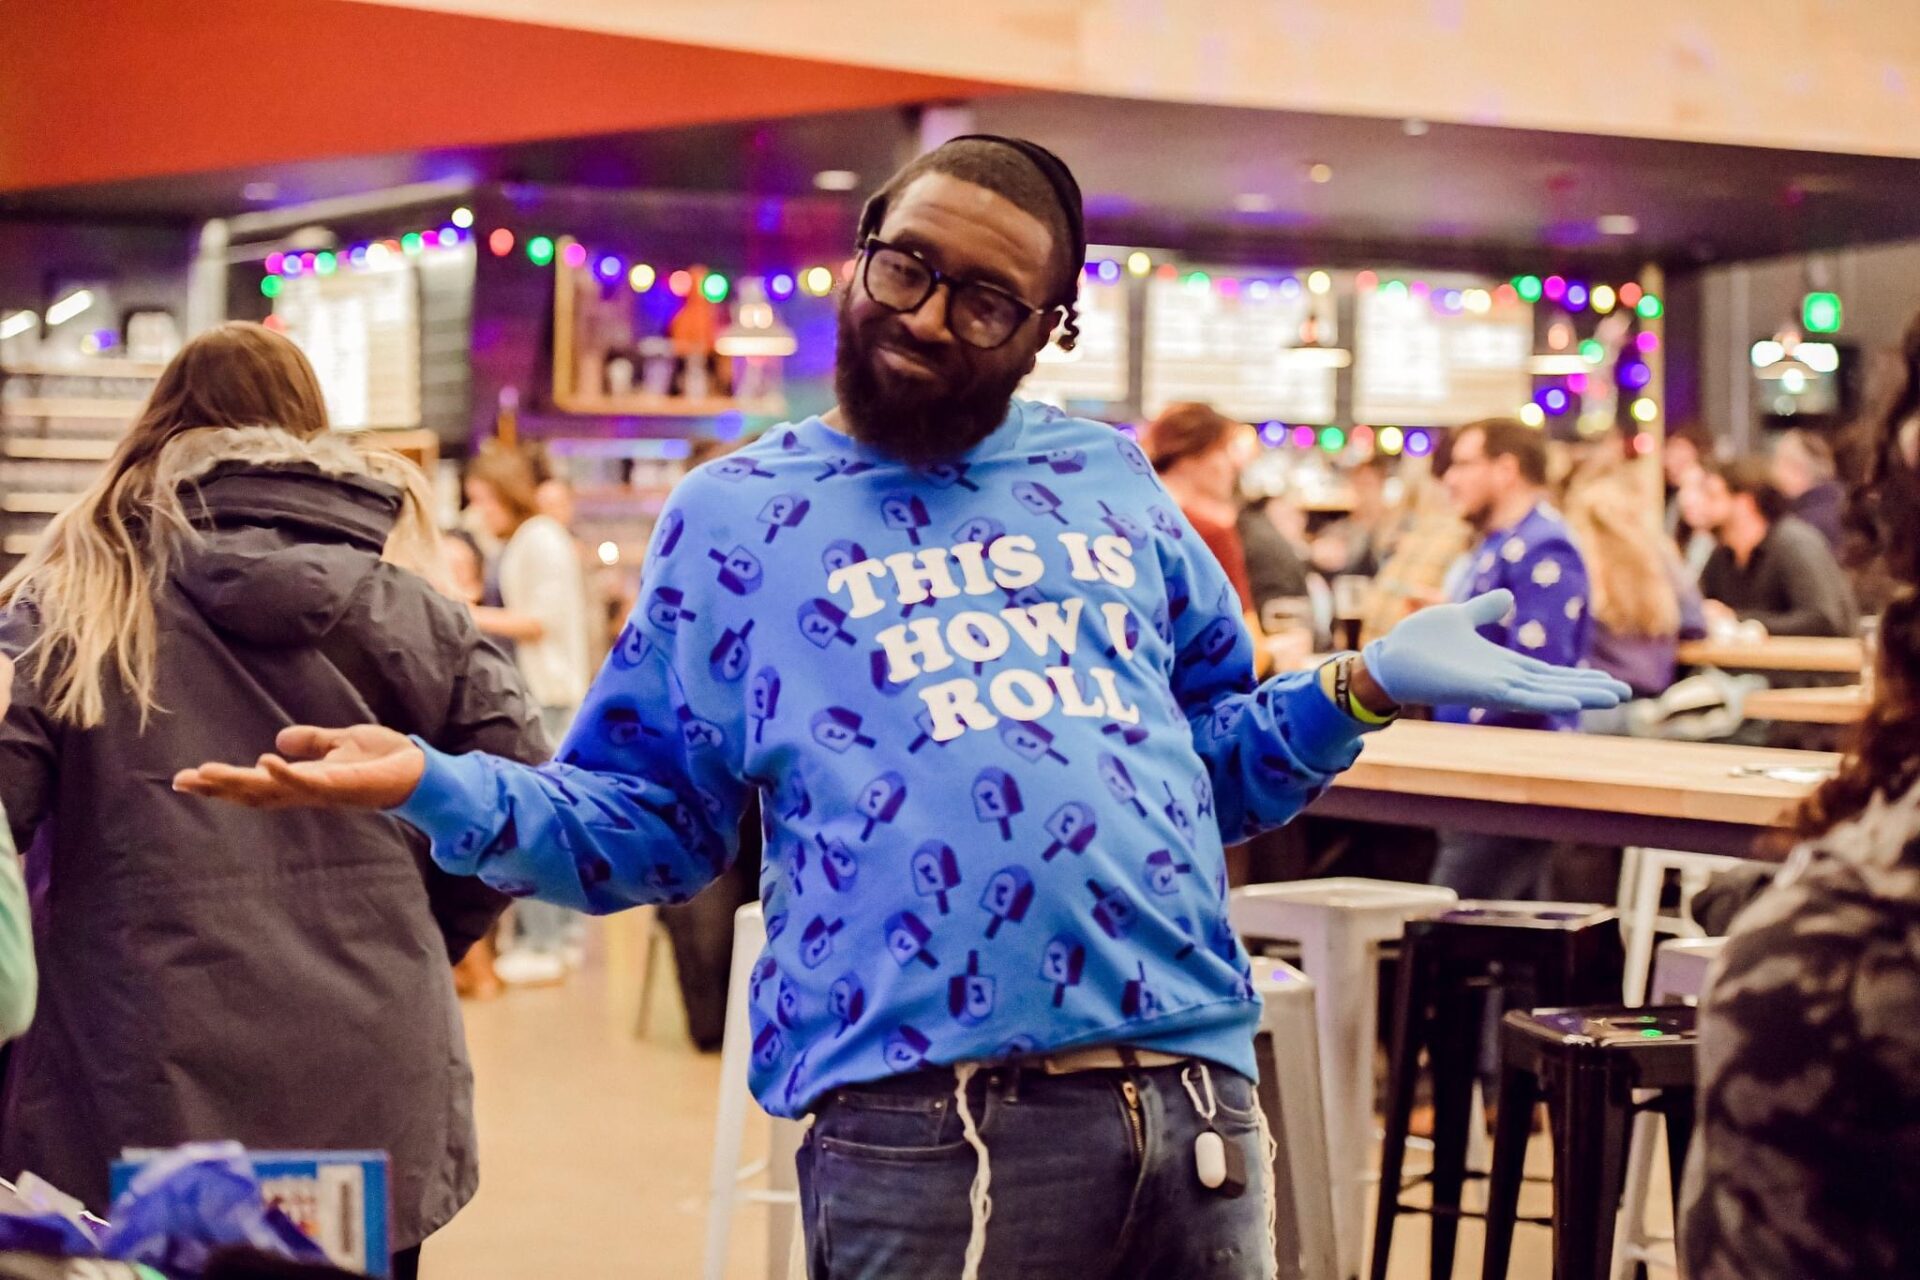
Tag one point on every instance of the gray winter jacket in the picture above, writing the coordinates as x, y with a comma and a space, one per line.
210, 971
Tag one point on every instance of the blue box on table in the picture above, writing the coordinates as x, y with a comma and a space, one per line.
339, 1198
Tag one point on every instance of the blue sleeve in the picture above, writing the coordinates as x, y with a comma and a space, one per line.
643, 802
1271, 749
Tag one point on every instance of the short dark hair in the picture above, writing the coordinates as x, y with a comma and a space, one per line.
1031, 178
1820, 461
1754, 478
1506, 438
1185, 431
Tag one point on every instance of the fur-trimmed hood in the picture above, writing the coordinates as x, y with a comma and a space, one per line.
287, 530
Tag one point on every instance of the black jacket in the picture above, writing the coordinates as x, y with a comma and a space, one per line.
1791, 583
276, 977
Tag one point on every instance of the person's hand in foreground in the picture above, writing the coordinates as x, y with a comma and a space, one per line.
1437, 658
362, 767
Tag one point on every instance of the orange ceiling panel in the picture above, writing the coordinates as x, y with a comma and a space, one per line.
100, 90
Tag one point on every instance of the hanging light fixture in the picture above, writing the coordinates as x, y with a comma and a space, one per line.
755, 329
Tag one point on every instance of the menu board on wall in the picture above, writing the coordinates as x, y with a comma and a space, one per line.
360, 329
1240, 346
1094, 373
1432, 360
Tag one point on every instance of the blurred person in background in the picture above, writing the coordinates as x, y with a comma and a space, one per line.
464, 574
1643, 605
1496, 476
1803, 472
1272, 532
544, 611
1434, 540
1683, 462
240, 974
19, 978
1198, 454
1361, 541
1805, 1159
1770, 567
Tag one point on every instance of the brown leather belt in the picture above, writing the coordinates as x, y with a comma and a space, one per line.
1105, 1057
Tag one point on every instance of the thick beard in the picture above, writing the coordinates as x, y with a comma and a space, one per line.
917, 430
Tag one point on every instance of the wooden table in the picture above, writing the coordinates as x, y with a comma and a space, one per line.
1835, 655
1571, 786
1844, 704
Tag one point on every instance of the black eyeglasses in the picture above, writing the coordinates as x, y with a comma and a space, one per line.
981, 315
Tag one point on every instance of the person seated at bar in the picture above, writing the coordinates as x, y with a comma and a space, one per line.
1643, 602
1497, 476
1803, 473
1361, 541
1192, 448
1270, 532
1770, 567
1805, 1160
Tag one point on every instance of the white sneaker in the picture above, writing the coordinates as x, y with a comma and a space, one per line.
527, 968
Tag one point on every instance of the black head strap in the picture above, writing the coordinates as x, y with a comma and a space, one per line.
1051, 167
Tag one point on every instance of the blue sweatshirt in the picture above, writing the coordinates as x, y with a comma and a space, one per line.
1001, 715
1537, 560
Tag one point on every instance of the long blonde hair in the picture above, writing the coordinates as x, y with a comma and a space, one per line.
1628, 571
237, 392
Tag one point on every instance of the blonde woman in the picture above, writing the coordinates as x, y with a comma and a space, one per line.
1642, 602
263, 976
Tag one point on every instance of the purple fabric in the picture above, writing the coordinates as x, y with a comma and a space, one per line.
1537, 561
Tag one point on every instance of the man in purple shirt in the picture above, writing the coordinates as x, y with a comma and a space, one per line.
1496, 479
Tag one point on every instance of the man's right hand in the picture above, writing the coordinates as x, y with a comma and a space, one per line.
363, 767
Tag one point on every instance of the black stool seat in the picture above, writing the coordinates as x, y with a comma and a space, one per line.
1587, 1065
1452, 965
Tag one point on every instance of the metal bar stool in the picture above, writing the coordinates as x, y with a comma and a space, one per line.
1587, 1065
1340, 925
1451, 965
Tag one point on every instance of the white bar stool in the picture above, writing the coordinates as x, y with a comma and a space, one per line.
1339, 925
726, 1185
1287, 1047
1643, 881
1679, 977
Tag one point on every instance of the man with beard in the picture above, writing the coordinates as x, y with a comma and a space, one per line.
998, 703
1497, 477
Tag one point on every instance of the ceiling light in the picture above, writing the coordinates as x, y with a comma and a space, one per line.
1255, 202
1320, 172
16, 324
836, 180
1617, 224
1821, 357
68, 307
1319, 282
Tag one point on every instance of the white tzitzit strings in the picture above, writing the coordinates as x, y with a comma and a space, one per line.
979, 1197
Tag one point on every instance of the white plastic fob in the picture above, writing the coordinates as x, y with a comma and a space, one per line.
1210, 1160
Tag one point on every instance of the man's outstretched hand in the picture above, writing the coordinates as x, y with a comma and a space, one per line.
364, 767
1438, 658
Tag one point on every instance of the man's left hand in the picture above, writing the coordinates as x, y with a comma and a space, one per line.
1438, 658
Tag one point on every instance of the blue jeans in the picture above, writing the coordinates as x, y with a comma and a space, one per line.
1078, 1190
1504, 868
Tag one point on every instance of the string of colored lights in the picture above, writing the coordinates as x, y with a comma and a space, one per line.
542, 250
